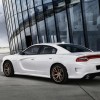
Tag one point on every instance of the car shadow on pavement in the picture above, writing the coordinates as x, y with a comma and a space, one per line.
85, 82
33, 78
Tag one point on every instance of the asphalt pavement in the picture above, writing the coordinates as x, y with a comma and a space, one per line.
35, 88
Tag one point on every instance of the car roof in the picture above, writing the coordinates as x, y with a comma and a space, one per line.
57, 44
53, 44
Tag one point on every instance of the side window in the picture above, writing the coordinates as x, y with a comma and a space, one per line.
32, 50
48, 50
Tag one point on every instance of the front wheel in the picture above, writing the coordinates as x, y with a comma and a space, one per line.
59, 74
8, 69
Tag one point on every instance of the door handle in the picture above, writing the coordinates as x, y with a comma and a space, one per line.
50, 58
32, 59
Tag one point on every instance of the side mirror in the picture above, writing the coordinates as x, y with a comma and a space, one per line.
21, 53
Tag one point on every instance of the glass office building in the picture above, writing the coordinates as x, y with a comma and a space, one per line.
49, 21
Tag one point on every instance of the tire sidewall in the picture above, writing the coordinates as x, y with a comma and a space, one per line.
11, 69
65, 74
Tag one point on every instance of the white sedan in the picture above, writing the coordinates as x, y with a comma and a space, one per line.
59, 62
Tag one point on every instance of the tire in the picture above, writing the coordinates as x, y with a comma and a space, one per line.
90, 77
59, 74
8, 69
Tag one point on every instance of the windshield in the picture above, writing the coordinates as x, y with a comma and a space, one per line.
74, 48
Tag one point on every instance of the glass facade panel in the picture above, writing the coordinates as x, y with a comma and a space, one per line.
16, 24
23, 40
14, 6
50, 22
92, 15
30, 3
23, 5
40, 24
19, 41
8, 22
16, 44
18, 5
61, 20
5, 9
76, 22
13, 44
25, 18
11, 9
31, 16
27, 31
13, 24
47, 1
11, 47
34, 34
8, 8
10, 25
21, 27
41, 21
38, 2
41, 32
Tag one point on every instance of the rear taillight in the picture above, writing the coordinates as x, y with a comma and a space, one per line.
82, 59
86, 58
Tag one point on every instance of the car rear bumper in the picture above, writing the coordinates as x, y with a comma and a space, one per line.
81, 70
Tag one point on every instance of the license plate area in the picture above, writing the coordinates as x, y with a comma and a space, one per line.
98, 67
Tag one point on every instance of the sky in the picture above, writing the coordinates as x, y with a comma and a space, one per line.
3, 32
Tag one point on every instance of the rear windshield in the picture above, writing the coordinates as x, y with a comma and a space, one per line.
74, 48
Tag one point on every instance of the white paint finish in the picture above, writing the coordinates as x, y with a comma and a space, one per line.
39, 65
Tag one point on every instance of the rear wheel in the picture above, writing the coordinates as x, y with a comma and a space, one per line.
8, 69
59, 74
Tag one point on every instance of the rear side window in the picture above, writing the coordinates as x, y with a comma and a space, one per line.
48, 50
74, 48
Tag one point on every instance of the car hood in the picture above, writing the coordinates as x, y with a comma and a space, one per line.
10, 57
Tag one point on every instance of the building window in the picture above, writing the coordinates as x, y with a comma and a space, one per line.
24, 5
41, 21
47, 1
28, 37
19, 41
76, 22
27, 31
31, 16
23, 39
16, 44
21, 27
92, 16
34, 34
26, 19
50, 22
40, 24
30, 3
38, 2
14, 6
61, 20
13, 23
10, 6
16, 24
18, 5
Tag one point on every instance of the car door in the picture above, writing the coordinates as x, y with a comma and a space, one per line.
28, 64
45, 59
